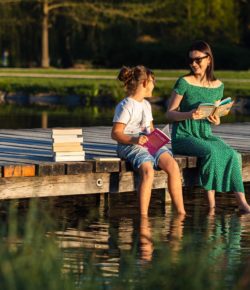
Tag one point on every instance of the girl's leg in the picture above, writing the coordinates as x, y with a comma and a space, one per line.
242, 202
170, 166
211, 198
146, 172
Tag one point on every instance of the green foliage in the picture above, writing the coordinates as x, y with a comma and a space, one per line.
112, 33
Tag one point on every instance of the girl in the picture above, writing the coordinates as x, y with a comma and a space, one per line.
220, 165
132, 121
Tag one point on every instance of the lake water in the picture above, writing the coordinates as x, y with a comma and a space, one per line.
21, 117
103, 232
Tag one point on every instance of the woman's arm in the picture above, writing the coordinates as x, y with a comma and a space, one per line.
118, 135
174, 115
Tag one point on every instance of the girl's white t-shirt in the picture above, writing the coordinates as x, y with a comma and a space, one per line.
136, 115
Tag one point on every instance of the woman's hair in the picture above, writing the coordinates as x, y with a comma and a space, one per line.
204, 47
133, 76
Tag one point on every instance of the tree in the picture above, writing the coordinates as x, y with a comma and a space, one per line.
95, 13
39, 30
85, 12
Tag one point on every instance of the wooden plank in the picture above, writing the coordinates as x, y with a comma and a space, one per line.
245, 158
189, 177
34, 145
125, 166
50, 169
191, 161
27, 187
246, 172
107, 166
14, 170
79, 167
245, 167
128, 181
181, 160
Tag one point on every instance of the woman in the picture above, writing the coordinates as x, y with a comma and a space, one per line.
132, 121
220, 165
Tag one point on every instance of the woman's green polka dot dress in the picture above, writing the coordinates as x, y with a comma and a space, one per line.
220, 165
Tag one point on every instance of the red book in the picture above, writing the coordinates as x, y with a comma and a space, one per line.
156, 139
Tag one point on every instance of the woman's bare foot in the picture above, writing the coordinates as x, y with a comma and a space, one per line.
242, 202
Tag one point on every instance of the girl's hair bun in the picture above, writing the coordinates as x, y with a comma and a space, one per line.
125, 74
133, 76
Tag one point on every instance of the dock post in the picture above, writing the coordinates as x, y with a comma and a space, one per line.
103, 202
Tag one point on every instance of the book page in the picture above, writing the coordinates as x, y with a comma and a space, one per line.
223, 110
225, 101
206, 110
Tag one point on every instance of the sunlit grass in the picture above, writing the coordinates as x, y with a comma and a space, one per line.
113, 72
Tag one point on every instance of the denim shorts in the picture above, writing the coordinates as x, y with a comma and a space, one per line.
137, 154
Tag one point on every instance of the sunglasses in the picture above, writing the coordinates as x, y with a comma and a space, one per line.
197, 60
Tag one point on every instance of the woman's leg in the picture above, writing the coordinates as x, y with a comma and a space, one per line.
242, 202
170, 166
146, 172
211, 198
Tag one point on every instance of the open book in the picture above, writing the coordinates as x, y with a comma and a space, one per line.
156, 139
219, 108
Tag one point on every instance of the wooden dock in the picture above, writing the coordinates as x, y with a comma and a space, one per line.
27, 168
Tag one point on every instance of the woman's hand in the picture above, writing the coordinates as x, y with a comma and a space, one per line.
214, 119
195, 114
142, 139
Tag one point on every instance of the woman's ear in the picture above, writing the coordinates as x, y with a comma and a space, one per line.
209, 60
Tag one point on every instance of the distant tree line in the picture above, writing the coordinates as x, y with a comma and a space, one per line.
110, 33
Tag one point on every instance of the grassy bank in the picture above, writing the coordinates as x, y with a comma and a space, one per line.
113, 72
107, 91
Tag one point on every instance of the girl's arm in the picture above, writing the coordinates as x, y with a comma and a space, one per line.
151, 126
173, 107
118, 135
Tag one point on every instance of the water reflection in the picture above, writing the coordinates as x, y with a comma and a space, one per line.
146, 242
102, 232
14, 116
113, 230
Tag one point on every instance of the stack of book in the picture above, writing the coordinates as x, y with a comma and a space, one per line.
67, 144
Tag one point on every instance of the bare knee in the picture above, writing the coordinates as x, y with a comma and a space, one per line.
147, 171
173, 167
169, 165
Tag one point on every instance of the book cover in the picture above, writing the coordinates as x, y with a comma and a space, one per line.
67, 131
69, 158
67, 139
65, 153
156, 139
63, 147
67, 144
219, 108
97, 158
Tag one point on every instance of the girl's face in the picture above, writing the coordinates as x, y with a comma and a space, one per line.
199, 62
150, 84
